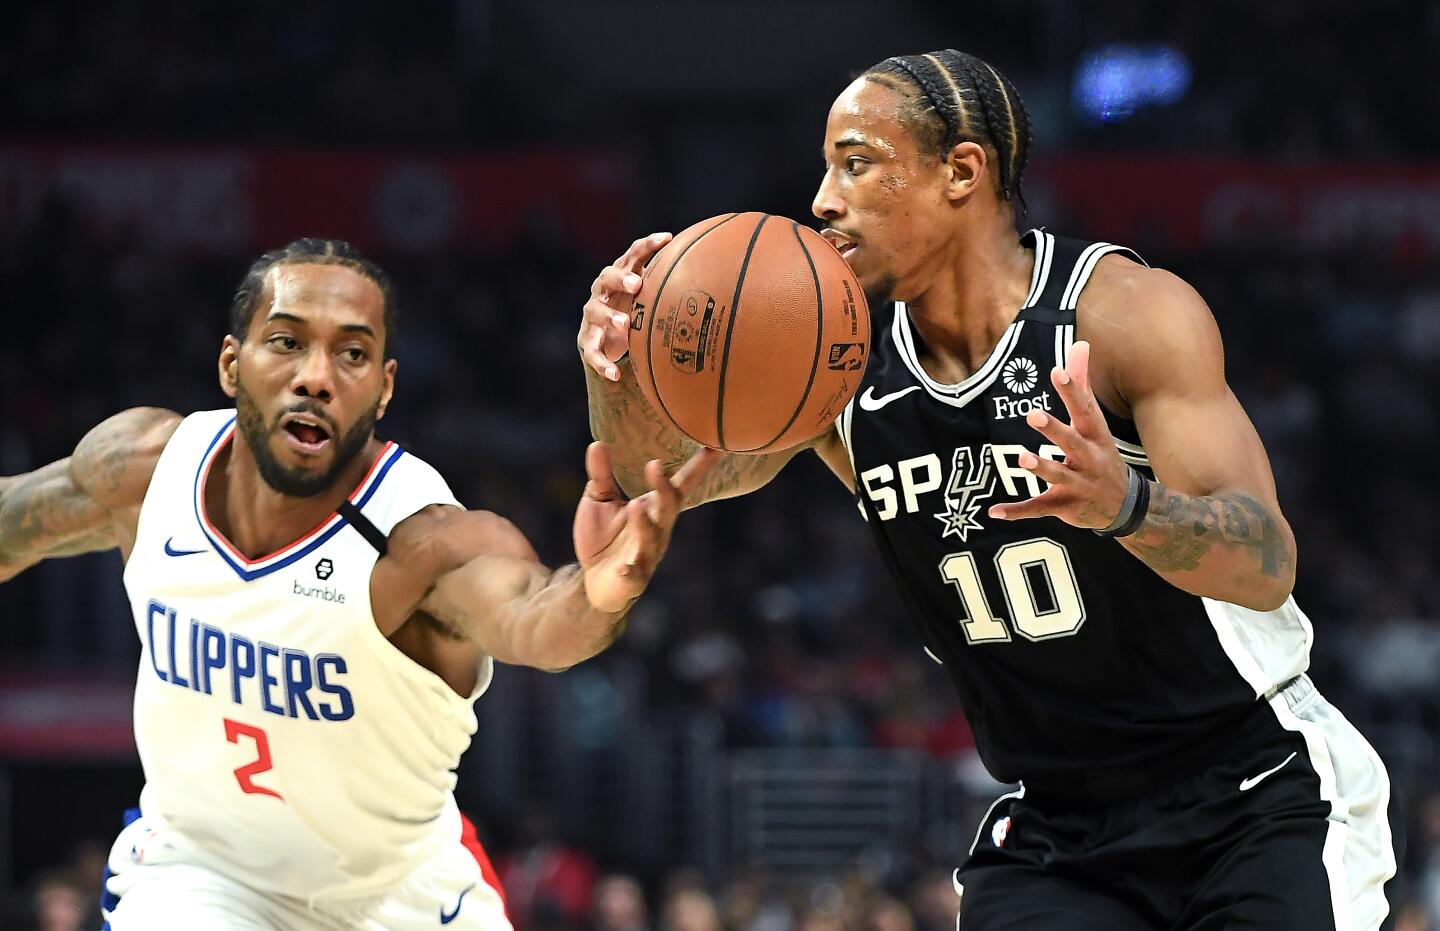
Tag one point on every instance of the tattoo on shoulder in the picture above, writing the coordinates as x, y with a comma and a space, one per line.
66, 507
1181, 529
102, 458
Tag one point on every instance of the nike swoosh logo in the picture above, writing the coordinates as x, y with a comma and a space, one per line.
446, 919
1247, 784
172, 551
869, 402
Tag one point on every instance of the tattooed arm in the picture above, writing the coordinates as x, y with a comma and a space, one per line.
1181, 530
621, 417
87, 502
1214, 526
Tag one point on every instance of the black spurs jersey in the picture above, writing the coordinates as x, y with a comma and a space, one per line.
1068, 652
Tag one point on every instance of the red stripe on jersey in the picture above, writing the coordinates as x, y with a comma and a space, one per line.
470, 840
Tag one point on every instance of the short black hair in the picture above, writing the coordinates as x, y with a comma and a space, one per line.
959, 98
307, 251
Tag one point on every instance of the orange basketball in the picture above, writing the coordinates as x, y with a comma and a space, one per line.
750, 333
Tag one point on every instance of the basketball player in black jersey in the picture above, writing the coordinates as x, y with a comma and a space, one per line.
1084, 526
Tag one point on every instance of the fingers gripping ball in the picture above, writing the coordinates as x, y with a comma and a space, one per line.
750, 333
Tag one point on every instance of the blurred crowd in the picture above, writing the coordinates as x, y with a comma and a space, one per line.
441, 71
770, 613
551, 886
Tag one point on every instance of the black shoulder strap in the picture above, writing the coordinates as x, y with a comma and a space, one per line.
1062, 268
1070, 257
1074, 263
1047, 315
360, 522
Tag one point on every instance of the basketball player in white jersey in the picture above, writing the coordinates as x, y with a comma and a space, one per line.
318, 615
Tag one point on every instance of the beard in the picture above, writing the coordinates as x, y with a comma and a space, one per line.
297, 483
878, 294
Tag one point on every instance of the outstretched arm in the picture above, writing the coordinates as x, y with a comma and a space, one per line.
87, 502
621, 417
1214, 526
498, 595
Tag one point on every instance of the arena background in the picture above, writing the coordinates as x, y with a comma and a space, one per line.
767, 749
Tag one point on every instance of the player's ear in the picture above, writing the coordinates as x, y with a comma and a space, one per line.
965, 166
230, 366
389, 389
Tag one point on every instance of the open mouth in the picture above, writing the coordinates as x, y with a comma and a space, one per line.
842, 243
307, 433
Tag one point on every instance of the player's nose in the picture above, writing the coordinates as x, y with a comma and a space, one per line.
827, 204
315, 376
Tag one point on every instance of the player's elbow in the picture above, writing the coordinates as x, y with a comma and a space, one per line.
1271, 587
546, 657
557, 659
1267, 596
1269, 577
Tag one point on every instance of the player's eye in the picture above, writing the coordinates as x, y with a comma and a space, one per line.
353, 354
284, 342
855, 165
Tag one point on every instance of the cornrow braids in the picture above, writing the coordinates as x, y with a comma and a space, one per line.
1021, 133
948, 90
307, 251
986, 86
955, 95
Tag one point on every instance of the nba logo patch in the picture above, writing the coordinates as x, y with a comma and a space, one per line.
999, 830
847, 357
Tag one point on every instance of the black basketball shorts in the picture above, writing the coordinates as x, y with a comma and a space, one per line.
1287, 830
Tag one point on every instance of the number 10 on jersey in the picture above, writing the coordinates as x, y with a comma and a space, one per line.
1041, 594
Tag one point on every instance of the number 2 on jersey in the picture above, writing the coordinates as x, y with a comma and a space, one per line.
1040, 592
245, 775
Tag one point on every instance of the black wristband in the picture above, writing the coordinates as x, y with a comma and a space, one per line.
1129, 523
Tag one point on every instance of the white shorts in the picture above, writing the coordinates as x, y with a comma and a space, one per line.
157, 890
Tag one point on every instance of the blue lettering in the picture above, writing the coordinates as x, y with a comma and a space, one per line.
239, 670
195, 654
275, 667
212, 651
174, 672
153, 609
267, 678
297, 683
347, 706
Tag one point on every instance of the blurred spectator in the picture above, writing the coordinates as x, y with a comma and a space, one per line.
548, 884
1427, 857
690, 909
752, 903
1411, 917
619, 904
933, 901
887, 914
62, 905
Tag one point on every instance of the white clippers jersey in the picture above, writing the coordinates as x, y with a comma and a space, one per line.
286, 742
